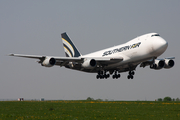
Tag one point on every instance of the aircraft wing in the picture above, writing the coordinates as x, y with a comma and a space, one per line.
59, 60
26, 56
62, 61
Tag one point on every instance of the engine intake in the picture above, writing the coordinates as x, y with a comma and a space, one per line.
48, 62
158, 64
89, 63
169, 63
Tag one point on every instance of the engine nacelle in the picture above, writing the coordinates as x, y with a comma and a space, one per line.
48, 62
158, 64
89, 63
169, 63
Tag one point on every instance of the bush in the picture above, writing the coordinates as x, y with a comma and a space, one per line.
89, 99
177, 99
167, 99
159, 99
99, 99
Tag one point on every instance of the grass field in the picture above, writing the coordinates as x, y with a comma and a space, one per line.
89, 110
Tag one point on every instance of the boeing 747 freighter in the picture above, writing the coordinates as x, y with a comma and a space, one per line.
142, 51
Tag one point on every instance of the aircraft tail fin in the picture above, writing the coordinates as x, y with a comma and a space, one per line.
69, 47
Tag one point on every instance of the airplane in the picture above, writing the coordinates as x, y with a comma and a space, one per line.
142, 50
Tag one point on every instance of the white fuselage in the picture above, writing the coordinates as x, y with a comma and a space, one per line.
142, 51
135, 51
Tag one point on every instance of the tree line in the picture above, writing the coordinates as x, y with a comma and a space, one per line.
168, 99
159, 99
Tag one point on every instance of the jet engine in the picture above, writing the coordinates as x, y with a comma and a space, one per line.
89, 63
169, 63
158, 64
48, 62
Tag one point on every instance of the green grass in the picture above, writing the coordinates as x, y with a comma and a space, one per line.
89, 110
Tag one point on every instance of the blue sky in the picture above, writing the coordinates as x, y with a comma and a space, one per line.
34, 27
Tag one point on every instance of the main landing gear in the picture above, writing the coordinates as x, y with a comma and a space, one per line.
130, 76
102, 75
116, 76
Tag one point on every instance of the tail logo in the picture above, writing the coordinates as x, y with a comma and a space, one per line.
69, 50
69, 47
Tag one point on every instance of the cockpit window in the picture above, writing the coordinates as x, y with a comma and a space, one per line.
155, 35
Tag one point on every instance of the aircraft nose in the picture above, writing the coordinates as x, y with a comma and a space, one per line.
160, 45
163, 44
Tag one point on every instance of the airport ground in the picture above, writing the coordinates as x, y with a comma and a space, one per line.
89, 110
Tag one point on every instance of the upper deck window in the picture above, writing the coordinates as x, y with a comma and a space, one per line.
155, 35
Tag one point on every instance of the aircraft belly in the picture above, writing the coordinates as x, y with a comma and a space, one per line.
129, 63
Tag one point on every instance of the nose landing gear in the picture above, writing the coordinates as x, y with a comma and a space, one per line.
130, 76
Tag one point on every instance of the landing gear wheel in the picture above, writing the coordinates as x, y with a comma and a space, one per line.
113, 76
130, 76
102, 75
116, 75
131, 72
97, 76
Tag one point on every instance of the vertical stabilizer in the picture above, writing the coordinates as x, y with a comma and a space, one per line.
69, 47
